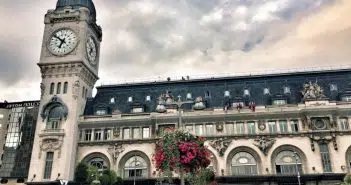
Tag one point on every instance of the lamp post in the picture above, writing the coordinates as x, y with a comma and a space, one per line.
179, 104
297, 168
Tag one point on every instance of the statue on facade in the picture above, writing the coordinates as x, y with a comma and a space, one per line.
76, 89
312, 91
221, 145
115, 150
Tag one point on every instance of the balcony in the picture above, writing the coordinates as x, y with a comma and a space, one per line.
52, 132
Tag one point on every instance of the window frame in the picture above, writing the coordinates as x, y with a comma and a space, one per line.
49, 160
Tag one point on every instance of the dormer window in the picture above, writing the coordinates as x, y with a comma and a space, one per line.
279, 102
112, 100
246, 92
148, 98
333, 87
266, 91
287, 90
130, 99
226, 93
101, 112
346, 98
188, 96
137, 110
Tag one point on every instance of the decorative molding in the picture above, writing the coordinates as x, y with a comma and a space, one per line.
264, 144
220, 126
116, 132
54, 102
50, 144
261, 125
76, 89
221, 145
115, 150
42, 89
68, 70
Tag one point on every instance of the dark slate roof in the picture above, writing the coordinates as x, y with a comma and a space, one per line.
77, 4
216, 87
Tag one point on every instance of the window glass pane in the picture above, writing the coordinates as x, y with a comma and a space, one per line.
251, 127
58, 90
101, 112
146, 132
243, 163
88, 135
325, 157
272, 127
52, 88
283, 126
279, 102
97, 136
286, 163
240, 129
126, 133
136, 133
344, 124
137, 110
189, 128
65, 87
199, 130
107, 134
135, 166
229, 128
294, 126
209, 129
48, 165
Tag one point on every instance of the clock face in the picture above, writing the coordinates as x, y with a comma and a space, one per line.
62, 42
91, 50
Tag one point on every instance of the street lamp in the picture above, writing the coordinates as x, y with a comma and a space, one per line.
297, 168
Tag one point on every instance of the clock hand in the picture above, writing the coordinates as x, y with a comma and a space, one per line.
63, 41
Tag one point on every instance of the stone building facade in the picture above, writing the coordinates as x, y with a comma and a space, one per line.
260, 129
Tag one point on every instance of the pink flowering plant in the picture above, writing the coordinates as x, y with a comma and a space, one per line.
180, 151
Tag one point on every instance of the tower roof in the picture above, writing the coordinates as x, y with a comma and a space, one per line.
77, 4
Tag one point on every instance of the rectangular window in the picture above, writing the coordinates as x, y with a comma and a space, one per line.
283, 126
294, 125
87, 135
344, 124
107, 134
209, 129
251, 127
48, 165
189, 128
240, 129
199, 130
1, 116
229, 127
325, 157
126, 133
146, 132
272, 126
97, 135
137, 110
101, 112
136, 133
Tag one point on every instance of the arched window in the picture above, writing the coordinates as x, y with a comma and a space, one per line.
83, 91
54, 118
86, 93
58, 90
135, 166
348, 159
99, 163
287, 162
243, 163
65, 87
52, 88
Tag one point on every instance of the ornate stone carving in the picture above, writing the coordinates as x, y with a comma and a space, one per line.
116, 132
261, 125
264, 144
76, 89
42, 89
312, 91
115, 150
50, 144
53, 103
221, 145
220, 126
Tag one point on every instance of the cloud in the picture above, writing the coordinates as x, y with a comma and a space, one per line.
154, 39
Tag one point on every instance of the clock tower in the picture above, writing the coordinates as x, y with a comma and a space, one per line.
69, 64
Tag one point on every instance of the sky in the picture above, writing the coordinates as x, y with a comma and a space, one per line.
156, 39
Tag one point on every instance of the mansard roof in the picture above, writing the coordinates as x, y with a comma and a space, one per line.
260, 89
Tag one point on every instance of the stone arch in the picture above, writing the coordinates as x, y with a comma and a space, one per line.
97, 155
348, 159
245, 149
291, 148
214, 161
131, 154
55, 102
